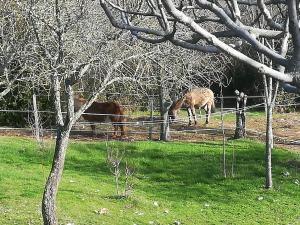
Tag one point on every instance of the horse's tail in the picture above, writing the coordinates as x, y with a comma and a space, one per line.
213, 106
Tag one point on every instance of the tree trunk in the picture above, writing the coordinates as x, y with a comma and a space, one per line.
163, 107
270, 97
165, 125
294, 69
51, 187
241, 101
239, 126
269, 146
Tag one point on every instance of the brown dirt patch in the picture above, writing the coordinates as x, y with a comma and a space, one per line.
286, 130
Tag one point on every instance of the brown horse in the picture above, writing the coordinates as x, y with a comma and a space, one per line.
199, 98
109, 112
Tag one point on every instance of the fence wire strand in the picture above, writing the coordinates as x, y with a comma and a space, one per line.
151, 121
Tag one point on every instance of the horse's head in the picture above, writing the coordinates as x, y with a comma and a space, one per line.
172, 115
79, 98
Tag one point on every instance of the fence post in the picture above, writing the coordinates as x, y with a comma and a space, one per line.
223, 133
241, 100
165, 125
151, 119
244, 114
36, 120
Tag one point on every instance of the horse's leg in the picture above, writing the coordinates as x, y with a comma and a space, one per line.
190, 116
208, 112
122, 128
115, 130
194, 114
200, 113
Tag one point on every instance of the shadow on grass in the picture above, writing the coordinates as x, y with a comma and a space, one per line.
185, 173
177, 170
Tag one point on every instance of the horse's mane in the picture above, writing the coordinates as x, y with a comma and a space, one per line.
78, 101
177, 104
102, 112
99, 107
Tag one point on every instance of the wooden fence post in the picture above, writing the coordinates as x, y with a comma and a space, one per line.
151, 119
223, 133
165, 125
241, 101
244, 114
37, 127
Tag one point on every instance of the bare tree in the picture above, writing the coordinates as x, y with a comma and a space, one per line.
14, 40
213, 27
224, 26
173, 72
270, 90
68, 51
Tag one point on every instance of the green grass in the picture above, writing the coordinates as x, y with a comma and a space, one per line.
183, 178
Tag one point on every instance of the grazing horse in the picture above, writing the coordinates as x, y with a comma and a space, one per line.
110, 112
199, 98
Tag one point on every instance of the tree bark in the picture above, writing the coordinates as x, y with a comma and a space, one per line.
269, 146
238, 121
270, 97
51, 187
241, 100
36, 119
238, 130
165, 125
293, 14
164, 107
248, 32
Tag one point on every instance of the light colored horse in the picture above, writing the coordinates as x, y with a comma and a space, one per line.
196, 98
110, 112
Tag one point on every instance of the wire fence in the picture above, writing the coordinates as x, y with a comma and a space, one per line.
218, 113
145, 121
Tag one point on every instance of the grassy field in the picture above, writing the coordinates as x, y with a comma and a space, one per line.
173, 181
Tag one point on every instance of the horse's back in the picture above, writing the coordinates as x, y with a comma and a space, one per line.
200, 96
109, 111
202, 92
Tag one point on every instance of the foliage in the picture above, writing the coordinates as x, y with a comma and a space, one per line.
20, 118
119, 169
174, 181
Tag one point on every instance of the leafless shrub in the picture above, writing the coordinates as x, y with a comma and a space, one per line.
119, 170
285, 102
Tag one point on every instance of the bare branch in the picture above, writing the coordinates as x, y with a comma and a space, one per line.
267, 15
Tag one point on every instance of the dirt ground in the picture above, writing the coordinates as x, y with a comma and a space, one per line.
286, 130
